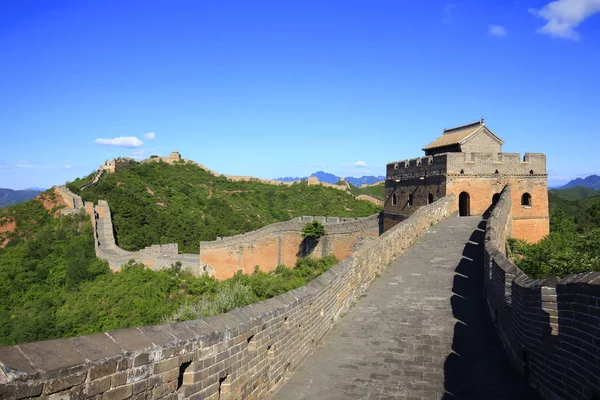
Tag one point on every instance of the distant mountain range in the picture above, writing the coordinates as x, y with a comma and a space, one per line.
333, 179
592, 182
9, 197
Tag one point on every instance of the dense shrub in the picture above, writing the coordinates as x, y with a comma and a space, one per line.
243, 289
52, 285
572, 247
313, 230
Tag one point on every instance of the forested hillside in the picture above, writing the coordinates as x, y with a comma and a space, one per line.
157, 203
52, 285
573, 245
43, 262
377, 191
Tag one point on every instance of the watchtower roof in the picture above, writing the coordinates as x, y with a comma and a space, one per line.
459, 135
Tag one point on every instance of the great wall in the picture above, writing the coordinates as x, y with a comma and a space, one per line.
267, 247
433, 307
549, 329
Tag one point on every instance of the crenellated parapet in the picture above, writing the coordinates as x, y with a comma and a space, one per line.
282, 243
72, 200
508, 164
157, 256
549, 327
479, 164
416, 168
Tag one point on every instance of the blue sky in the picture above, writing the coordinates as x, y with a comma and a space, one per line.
279, 88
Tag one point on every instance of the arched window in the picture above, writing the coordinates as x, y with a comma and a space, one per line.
394, 199
526, 200
430, 198
410, 199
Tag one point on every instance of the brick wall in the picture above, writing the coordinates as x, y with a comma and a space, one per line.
244, 353
550, 328
154, 257
281, 243
481, 142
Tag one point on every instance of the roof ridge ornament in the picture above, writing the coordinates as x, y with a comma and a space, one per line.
480, 123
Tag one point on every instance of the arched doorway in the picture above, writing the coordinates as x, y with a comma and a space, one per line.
464, 204
495, 199
430, 198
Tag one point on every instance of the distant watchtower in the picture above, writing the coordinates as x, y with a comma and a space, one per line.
468, 161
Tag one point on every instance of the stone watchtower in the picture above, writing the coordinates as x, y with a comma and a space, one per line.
468, 161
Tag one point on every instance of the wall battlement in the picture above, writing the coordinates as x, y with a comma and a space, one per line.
548, 327
282, 243
73, 201
242, 354
489, 163
469, 164
334, 225
155, 256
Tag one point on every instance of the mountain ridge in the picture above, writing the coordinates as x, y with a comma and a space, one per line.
591, 181
8, 197
333, 179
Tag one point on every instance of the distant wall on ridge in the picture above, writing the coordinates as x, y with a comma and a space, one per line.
281, 243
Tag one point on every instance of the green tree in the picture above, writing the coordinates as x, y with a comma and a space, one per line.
313, 230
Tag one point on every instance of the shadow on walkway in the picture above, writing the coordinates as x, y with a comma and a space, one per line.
478, 367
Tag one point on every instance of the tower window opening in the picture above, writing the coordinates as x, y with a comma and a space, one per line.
410, 199
464, 204
394, 199
526, 200
430, 198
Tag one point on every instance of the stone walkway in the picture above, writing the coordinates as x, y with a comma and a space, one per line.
421, 332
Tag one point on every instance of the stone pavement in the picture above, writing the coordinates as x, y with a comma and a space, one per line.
421, 331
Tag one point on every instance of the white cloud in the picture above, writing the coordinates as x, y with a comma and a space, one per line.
150, 136
358, 164
67, 166
447, 17
121, 141
141, 154
565, 15
496, 30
